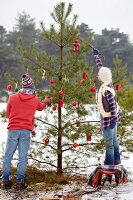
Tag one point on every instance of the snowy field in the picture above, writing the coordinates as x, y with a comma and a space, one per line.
109, 192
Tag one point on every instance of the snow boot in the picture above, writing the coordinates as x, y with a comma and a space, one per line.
6, 184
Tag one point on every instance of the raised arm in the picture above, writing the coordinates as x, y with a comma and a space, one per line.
98, 60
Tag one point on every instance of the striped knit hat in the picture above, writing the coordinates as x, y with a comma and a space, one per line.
27, 81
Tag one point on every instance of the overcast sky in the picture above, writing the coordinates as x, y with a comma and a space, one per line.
98, 14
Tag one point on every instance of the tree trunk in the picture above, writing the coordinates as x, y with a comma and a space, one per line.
59, 149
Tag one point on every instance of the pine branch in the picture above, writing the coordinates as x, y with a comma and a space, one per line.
43, 144
69, 10
48, 163
47, 123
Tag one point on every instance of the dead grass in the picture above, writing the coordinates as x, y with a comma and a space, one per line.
40, 179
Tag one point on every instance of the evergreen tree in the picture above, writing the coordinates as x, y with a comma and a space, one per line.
71, 79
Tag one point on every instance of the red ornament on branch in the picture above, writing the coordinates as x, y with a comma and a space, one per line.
88, 137
54, 108
9, 87
33, 133
74, 103
76, 46
84, 75
46, 140
61, 92
118, 87
60, 103
52, 81
93, 89
75, 145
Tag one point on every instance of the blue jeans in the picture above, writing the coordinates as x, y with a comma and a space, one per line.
16, 139
112, 155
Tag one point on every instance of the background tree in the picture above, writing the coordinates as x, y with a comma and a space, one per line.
113, 42
7, 56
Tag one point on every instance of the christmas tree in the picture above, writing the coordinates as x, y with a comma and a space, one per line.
72, 83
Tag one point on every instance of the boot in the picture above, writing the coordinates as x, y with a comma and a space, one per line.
21, 186
6, 184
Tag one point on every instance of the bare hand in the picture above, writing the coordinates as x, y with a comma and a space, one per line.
48, 100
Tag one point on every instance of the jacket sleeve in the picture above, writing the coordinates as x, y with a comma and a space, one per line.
112, 104
98, 61
41, 105
8, 108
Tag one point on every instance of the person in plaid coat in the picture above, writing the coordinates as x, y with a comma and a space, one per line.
109, 111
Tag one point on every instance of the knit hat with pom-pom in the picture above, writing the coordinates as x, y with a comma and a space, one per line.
105, 75
27, 81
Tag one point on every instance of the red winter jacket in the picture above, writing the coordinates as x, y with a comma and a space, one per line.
21, 109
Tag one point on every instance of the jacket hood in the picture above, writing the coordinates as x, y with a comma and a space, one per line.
25, 97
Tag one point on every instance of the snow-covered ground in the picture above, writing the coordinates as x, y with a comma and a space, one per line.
109, 192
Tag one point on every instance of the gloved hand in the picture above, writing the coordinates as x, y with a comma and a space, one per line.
112, 124
95, 52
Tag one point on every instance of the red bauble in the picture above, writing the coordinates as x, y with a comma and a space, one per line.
118, 87
54, 107
75, 145
61, 92
9, 87
46, 140
76, 46
33, 133
88, 137
60, 103
52, 81
74, 103
84, 75
93, 89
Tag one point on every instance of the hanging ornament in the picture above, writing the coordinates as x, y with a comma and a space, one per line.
54, 108
44, 75
74, 103
9, 87
52, 81
33, 133
93, 89
46, 140
75, 145
60, 103
16, 87
118, 87
76, 46
65, 79
84, 76
88, 137
61, 92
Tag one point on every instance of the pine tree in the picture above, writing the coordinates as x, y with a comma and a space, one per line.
124, 91
72, 83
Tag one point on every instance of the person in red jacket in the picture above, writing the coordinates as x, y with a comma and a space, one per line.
21, 108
